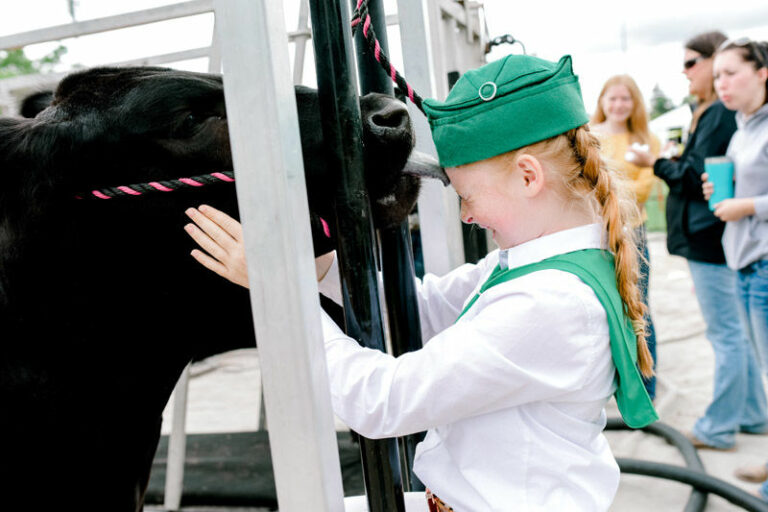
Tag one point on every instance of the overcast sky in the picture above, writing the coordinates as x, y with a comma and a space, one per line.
591, 31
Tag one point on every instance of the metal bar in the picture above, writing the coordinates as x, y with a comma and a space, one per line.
154, 60
130, 19
372, 76
10, 87
396, 252
404, 322
440, 227
17, 82
455, 10
177, 442
266, 150
214, 57
301, 41
177, 445
342, 131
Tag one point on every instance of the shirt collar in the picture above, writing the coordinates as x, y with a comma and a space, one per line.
741, 119
589, 236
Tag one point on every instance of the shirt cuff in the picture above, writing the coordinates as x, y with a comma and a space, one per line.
761, 207
330, 284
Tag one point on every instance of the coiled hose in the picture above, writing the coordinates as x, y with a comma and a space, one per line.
694, 474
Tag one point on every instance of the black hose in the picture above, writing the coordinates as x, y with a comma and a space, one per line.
696, 479
697, 501
673, 436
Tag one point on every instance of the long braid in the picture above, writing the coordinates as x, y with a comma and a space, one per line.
617, 214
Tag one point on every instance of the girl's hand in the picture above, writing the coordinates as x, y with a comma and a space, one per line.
323, 264
734, 209
221, 237
708, 188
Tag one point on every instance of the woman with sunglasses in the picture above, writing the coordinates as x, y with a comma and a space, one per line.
741, 81
694, 232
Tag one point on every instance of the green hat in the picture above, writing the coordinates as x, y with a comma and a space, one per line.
505, 105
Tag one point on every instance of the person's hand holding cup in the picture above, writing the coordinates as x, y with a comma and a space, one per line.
718, 180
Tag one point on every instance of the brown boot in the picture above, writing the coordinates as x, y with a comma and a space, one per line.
753, 474
701, 445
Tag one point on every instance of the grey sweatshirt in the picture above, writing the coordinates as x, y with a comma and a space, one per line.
746, 240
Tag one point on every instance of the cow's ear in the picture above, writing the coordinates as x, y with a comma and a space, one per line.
35, 103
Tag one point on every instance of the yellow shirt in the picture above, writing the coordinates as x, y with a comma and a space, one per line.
641, 179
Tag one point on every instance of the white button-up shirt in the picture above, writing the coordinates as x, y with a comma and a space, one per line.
512, 395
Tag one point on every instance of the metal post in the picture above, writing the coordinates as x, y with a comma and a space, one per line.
404, 321
177, 445
342, 131
372, 76
270, 185
301, 41
440, 226
177, 440
396, 251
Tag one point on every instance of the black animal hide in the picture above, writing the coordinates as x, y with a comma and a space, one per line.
101, 306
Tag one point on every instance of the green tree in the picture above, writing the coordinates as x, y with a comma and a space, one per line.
15, 62
660, 103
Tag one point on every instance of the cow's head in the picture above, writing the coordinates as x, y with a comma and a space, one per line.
153, 123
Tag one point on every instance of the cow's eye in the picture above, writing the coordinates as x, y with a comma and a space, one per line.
188, 125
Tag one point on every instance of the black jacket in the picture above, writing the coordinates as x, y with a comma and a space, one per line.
693, 231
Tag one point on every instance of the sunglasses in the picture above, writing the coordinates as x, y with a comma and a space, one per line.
688, 64
745, 42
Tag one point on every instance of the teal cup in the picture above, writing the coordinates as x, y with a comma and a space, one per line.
720, 172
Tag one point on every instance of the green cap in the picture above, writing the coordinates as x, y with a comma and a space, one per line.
505, 105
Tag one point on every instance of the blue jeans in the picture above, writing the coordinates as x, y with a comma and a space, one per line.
752, 287
642, 282
738, 402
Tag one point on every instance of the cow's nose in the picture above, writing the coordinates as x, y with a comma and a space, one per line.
392, 117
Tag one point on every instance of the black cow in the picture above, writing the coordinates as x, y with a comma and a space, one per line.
100, 305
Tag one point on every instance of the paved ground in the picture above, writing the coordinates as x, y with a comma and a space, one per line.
224, 395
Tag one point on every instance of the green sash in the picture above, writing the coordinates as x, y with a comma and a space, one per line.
595, 268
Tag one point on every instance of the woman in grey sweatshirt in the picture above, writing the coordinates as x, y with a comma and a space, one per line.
741, 82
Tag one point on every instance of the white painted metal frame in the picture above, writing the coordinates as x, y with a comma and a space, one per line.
266, 151
426, 27
177, 440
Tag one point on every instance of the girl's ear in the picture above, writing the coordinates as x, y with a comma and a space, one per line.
531, 172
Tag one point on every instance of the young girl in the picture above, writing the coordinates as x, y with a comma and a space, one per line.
620, 122
741, 81
526, 347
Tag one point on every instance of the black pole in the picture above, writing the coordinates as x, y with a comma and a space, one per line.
404, 322
396, 251
342, 132
372, 76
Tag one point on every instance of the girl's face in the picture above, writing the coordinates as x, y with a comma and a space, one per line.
617, 104
738, 84
699, 74
490, 198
